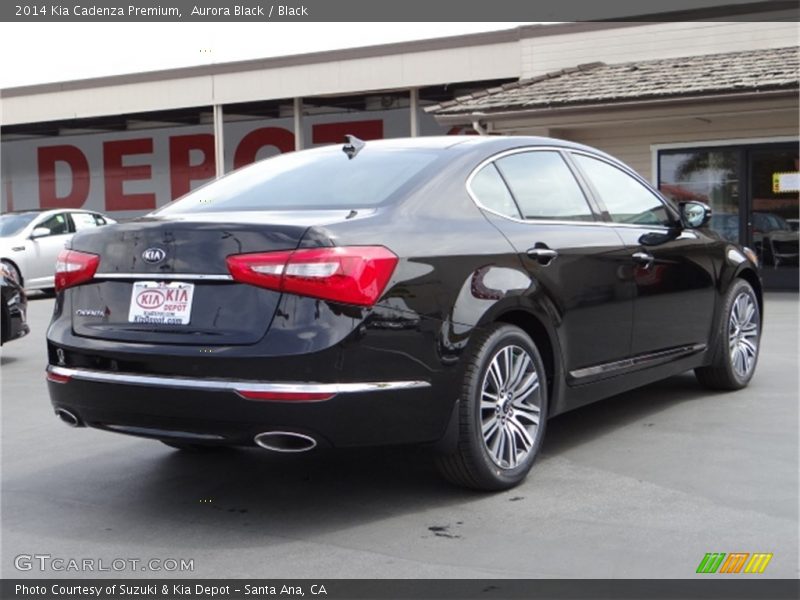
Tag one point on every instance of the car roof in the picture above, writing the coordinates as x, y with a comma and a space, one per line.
42, 211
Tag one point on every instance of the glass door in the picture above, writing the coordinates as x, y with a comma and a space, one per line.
774, 212
710, 175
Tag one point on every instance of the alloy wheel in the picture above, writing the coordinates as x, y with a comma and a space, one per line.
743, 334
510, 406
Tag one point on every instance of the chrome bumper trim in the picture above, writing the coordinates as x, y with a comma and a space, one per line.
234, 385
157, 276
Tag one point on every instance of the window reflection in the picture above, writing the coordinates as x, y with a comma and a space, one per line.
710, 176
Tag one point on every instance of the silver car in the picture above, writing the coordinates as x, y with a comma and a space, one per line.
30, 241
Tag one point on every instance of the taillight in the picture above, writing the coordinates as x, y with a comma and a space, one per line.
74, 268
349, 275
57, 378
285, 396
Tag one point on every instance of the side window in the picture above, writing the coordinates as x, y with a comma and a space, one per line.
491, 191
544, 187
100, 220
627, 200
83, 221
57, 224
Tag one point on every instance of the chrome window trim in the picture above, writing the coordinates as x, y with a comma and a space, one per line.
560, 149
180, 276
233, 385
510, 152
634, 175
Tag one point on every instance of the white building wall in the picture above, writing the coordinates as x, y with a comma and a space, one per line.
633, 143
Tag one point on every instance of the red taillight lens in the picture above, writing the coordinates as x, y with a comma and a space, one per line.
74, 268
285, 396
350, 275
57, 378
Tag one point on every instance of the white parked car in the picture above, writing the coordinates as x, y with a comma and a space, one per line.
30, 241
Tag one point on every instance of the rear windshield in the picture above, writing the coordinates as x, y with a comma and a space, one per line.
315, 179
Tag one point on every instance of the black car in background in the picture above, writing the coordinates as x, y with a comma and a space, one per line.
14, 307
447, 291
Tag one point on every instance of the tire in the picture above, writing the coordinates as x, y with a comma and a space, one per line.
5, 324
738, 339
190, 447
499, 437
13, 271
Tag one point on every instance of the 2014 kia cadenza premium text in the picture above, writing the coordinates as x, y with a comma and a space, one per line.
452, 291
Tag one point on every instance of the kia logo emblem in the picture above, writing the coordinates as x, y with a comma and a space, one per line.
153, 255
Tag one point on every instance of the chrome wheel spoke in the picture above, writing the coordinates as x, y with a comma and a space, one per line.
496, 375
522, 433
521, 367
748, 347
489, 428
528, 413
527, 387
512, 448
499, 446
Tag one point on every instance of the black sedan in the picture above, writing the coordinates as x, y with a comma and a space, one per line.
455, 292
13, 323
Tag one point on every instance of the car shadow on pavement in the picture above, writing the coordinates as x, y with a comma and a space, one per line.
584, 424
5, 359
250, 497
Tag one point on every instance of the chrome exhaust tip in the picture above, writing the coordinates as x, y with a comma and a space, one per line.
68, 417
285, 441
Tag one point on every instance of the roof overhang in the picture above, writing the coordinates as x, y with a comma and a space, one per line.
623, 111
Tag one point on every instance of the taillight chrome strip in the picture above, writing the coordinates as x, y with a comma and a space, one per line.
235, 385
180, 276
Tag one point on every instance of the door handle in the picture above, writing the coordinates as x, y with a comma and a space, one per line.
544, 255
643, 258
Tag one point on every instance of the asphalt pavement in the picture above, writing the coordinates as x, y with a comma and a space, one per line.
641, 485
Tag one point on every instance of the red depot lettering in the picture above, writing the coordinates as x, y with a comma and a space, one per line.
333, 133
48, 156
247, 149
116, 174
182, 172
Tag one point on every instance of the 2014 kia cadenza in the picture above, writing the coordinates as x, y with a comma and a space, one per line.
451, 291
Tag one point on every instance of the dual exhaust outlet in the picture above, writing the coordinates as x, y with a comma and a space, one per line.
275, 441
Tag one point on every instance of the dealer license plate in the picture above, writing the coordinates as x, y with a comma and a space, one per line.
161, 303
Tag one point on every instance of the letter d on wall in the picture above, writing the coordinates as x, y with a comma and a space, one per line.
48, 156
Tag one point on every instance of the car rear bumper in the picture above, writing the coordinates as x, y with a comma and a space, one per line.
234, 412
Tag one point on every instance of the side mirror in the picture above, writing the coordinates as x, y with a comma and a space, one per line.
40, 232
695, 214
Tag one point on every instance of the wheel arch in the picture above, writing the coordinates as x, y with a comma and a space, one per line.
751, 277
16, 266
546, 344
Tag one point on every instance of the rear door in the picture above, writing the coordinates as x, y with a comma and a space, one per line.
672, 271
574, 259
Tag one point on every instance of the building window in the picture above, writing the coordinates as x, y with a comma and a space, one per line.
753, 193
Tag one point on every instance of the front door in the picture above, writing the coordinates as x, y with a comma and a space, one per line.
670, 268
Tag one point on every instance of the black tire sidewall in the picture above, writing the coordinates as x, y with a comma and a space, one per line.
491, 473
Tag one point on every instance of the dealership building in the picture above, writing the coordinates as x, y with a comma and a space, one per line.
705, 108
